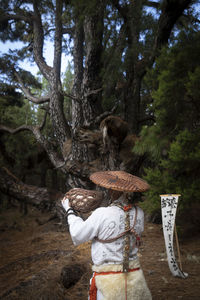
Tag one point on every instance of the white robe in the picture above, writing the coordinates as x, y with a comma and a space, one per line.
106, 223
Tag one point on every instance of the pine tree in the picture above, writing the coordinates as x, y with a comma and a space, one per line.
173, 141
113, 43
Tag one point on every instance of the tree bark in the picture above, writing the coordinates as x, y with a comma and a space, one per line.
86, 89
92, 81
30, 194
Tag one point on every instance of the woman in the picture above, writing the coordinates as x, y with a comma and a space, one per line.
115, 233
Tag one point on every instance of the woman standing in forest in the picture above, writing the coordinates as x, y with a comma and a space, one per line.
115, 232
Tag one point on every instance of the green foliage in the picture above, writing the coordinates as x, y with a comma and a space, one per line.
8, 65
152, 143
173, 97
173, 142
9, 96
18, 152
179, 173
155, 178
22, 155
18, 148
28, 79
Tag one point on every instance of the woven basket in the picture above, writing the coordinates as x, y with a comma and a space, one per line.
119, 181
84, 201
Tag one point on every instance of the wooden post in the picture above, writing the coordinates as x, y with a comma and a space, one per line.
178, 248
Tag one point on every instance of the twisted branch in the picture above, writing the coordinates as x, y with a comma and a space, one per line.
29, 95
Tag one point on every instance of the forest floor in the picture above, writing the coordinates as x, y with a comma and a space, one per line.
34, 251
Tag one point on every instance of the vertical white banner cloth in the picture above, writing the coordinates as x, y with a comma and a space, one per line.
169, 205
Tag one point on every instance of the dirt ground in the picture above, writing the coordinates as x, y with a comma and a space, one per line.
33, 253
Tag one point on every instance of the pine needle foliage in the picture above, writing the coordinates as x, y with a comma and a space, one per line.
173, 142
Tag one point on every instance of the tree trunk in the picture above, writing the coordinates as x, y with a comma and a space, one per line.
29, 194
92, 81
132, 105
60, 126
86, 89
136, 66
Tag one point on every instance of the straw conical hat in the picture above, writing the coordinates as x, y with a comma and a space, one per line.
119, 181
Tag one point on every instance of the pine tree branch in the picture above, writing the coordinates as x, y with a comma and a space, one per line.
102, 116
28, 95
191, 18
93, 92
35, 19
58, 37
44, 121
69, 30
171, 12
152, 4
38, 43
17, 17
149, 118
123, 10
118, 49
67, 166
106, 113
34, 195
16, 130
36, 130
71, 97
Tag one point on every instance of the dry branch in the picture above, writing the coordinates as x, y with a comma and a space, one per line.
30, 194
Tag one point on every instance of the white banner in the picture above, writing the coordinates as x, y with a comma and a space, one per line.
169, 205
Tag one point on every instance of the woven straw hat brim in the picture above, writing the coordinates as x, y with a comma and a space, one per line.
119, 181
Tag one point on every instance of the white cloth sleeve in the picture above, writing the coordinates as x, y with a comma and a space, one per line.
83, 231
